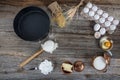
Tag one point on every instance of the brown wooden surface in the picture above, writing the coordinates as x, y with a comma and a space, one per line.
76, 42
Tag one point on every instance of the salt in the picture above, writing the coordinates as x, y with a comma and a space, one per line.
49, 46
46, 67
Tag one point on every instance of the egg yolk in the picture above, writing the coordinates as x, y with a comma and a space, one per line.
107, 44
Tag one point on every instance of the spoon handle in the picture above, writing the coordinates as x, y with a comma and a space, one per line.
30, 58
110, 53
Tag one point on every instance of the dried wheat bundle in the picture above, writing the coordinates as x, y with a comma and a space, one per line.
71, 12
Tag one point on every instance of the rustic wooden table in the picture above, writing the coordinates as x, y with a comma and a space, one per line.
76, 42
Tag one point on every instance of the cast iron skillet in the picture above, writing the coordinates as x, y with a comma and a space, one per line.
32, 24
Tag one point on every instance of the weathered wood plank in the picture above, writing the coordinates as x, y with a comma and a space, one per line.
9, 66
46, 2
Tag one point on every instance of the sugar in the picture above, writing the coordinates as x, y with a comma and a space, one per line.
99, 63
45, 67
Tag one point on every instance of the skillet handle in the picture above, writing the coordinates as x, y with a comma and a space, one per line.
30, 58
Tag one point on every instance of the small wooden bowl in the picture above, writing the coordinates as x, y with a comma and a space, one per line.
79, 66
66, 72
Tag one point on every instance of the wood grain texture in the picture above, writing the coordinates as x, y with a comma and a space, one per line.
76, 42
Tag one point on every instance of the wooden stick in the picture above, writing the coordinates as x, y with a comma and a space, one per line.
30, 58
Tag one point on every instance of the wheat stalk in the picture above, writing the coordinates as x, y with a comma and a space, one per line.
71, 12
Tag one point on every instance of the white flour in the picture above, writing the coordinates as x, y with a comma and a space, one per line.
45, 67
49, 46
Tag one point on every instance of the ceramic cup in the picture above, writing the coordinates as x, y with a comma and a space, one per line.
100, 63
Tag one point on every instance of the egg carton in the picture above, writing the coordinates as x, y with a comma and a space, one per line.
104, 21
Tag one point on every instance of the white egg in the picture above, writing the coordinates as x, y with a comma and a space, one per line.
110, 18
86, 10
102, 31
91, 13
100, 12
102, 20
97, 35
94, 8
112, 27
105, 15
115, 22
96, 27
89, 5
96, 17
107, 23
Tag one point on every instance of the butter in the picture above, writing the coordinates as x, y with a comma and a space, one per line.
67, 67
